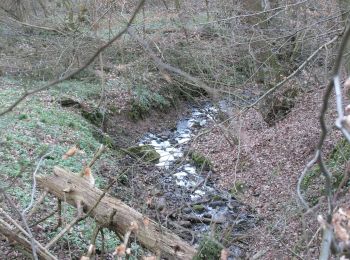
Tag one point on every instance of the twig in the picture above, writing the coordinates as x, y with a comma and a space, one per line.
14, 222
334, 83
38, 27
326, 243
24, 220
67, 227
70, 75
301, 178
97, 155
80, 216
37, 204
343, 182
6, 230
34, 182
102, 81
181, 207
202, 182
59, 209
63, 231
120, 250
44, 218
313, 237
177, 226
164, 66
278, 85
92, 246
255, 13
103, 249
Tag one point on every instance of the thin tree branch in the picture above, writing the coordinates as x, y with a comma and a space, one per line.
69, 75
167, 67
34, 183
334, 83
81, 216
97, 155
281, 83
24, 220
6, 229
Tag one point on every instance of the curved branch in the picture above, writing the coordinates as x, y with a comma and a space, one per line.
92, 58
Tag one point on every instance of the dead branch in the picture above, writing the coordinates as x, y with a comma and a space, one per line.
37, 27
24, 221
99, 206
92, 246
44, 218
285, 80
97, 155
334, 84
167, 67
75, 72
6, 228
67, 227
32, 197
37, 204
197, 219
202, 182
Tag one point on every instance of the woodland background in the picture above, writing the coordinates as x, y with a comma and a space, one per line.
81, 73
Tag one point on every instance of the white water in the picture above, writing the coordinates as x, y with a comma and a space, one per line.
172, 148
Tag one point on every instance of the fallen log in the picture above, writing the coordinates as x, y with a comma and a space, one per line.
23, 242
112, 213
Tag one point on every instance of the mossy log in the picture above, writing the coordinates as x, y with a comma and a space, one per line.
112, 213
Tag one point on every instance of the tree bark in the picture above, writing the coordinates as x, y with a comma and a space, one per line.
23, 242
112, 213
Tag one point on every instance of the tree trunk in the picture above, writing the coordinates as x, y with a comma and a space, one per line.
115, 215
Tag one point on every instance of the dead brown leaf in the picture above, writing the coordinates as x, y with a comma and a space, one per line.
71, 152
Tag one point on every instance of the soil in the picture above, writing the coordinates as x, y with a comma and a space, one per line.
126, 131
265, 167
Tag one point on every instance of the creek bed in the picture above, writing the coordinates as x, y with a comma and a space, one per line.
191, 201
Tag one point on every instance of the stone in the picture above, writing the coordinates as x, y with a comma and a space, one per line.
145, 152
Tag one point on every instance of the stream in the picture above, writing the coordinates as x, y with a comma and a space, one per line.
192, 201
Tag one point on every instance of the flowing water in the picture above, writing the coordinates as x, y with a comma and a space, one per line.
189, 188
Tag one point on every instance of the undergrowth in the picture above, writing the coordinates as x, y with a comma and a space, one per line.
40, 126
313, 182
144, 100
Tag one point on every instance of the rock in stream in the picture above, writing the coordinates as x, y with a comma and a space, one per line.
191, 199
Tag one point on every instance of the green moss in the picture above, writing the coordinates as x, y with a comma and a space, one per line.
22, 117
198, 208
95, 116
335, 163
145, 152
217, 197
123, 179
113, 109
309, 177
237, 188
200, 161
208, 250
144, 101
313, 182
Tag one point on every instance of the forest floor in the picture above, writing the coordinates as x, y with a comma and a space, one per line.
257, 163
41, 124
263, 171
